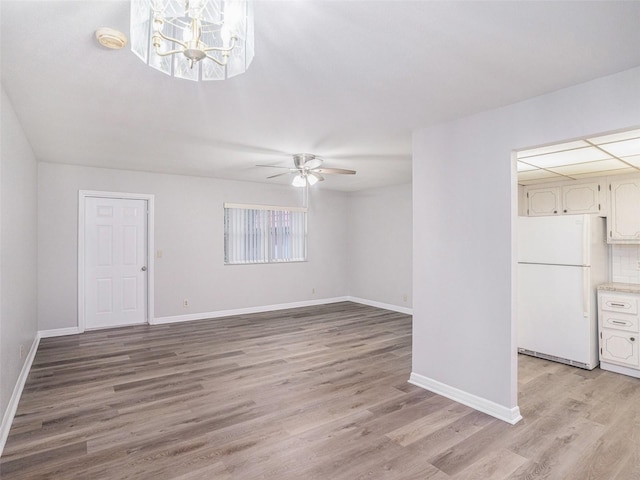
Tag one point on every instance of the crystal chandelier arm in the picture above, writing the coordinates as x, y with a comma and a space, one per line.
224, 50
222, 63
156, 43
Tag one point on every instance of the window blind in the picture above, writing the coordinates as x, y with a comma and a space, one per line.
263, 234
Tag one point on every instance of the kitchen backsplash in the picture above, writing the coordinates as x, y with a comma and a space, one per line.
625, 266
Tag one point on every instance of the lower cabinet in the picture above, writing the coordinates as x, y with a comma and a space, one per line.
619, 332
619, 347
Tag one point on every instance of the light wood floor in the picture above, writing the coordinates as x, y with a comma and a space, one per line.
310, 393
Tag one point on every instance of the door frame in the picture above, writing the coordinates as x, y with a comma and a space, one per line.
82, 196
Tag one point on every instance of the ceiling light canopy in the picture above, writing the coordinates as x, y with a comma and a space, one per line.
194, 39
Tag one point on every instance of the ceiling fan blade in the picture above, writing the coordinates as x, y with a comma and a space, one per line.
313, 163
279, 174
274, 166
341, 171
317, 175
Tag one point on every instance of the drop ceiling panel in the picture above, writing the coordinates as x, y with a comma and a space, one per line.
635, 160
523, 167
625, 148
590, 167
622, 171
615, 154
568, 157
552, 149
539, 174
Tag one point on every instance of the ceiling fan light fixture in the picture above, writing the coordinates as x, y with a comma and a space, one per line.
194, 39
312, 179
300, 180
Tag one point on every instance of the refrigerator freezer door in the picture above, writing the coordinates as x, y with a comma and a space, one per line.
551, 313
561, 240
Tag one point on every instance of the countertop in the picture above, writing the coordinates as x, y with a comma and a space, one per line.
620, 287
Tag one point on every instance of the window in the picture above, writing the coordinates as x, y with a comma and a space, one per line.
264, 234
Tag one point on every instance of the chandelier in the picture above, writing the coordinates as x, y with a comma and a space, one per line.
193, 39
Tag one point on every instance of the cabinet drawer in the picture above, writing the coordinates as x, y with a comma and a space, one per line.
619, 303
619, 321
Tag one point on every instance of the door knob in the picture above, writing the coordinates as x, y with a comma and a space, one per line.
144, 269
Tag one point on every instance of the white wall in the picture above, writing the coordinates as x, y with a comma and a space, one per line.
464, 197
189, 231
380, 248
18, 237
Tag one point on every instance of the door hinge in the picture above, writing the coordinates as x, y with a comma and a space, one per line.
610, 234
609, 187
527, 211
601, 335
598, 206
598, 187
527, 194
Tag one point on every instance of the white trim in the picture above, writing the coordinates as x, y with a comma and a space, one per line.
509, 415
385, 306
279, 208
150, 198
12, 407
246, 311
59, 332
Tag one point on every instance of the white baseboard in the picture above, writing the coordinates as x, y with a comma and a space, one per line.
59, 332
12, 407
385, 306
245, 311
509, 415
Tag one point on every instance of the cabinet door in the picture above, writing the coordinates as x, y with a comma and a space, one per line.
543, 201
619, 347
624, 221
581, 198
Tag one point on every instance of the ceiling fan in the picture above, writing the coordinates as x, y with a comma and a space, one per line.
308, 170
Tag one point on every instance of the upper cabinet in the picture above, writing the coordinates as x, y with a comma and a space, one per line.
624, 221
564, 199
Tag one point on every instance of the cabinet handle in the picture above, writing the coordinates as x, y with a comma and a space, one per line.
633, 339
617, 304
564, 211
555, 211
618, 322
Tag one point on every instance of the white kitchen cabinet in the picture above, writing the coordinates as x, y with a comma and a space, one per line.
624, 220
543, 201
581, 198
565, 199
619, 329
619, 347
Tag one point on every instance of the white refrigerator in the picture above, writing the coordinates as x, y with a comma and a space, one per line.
561, 260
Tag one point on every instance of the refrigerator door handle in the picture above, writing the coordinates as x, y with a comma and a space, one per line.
586, 283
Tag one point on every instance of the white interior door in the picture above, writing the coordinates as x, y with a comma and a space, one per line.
115, 262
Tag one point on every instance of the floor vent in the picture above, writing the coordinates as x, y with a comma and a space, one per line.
553, 358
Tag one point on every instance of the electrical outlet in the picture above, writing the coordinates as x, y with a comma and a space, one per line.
21, 351
185, 303
405, 298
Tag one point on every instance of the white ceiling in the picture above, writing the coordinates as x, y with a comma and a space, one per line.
347, 80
